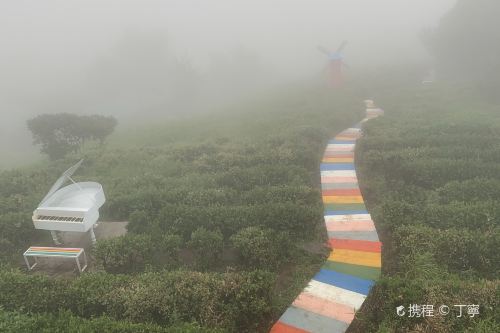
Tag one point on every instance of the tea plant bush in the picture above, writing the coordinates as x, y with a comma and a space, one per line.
429, 172
199, 195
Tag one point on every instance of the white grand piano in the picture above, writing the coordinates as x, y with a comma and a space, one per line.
74, 207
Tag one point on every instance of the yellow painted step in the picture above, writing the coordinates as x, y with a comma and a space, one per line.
371, 259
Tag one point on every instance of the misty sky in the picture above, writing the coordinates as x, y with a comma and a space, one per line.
48, 46
45, 35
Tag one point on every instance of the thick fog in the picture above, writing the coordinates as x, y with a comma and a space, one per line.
154, 58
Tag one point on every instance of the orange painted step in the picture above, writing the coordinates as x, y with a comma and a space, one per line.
358, 245
280, 327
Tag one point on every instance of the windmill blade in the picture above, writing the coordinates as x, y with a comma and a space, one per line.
342, 46
324, 50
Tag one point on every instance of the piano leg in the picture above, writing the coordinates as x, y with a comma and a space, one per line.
92, 235
54, 237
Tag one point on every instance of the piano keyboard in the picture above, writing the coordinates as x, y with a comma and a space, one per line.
60, 219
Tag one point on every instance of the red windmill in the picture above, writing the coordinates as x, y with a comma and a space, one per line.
336, 61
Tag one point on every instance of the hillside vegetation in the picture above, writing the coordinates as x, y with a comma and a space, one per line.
430, 174
220, 210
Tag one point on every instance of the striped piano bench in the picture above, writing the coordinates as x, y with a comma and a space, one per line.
61, 252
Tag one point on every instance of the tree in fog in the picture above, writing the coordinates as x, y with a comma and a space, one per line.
97, 127
465, 44
63, 133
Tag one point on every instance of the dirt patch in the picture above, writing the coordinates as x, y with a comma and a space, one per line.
106, 230
103, 230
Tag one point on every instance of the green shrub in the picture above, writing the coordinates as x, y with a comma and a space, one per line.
16, 228
66, 322
430, 171
238, 302
134, 252
207, 247
262, 248
36, 293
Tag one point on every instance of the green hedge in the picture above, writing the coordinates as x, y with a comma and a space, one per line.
233, 301
263, 248
430, 174
134, 253
66, 322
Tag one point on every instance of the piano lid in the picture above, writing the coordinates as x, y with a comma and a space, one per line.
60, 182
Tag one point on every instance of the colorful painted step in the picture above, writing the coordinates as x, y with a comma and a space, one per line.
330, 300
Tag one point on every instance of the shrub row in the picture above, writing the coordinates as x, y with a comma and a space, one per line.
238, 302
66, 322
429, 172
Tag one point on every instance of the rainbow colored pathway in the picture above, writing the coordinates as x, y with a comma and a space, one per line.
338, 290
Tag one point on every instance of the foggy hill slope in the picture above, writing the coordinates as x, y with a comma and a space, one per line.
429, 173
214, 199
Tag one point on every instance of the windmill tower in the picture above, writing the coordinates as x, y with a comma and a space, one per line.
336, 61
